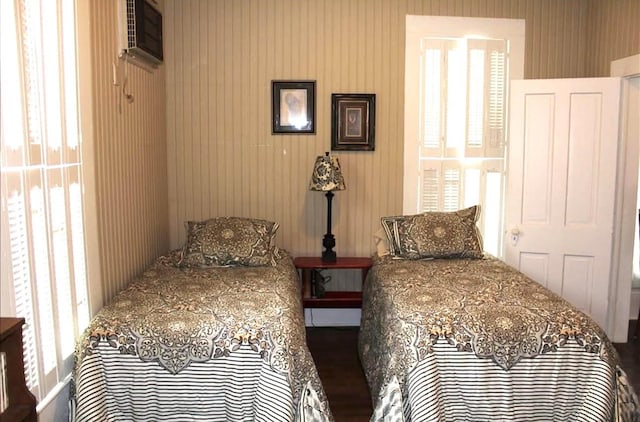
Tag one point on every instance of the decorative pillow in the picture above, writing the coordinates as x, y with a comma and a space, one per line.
382, 242
310, 408
390, 227
389, 406
435, 234
226, 241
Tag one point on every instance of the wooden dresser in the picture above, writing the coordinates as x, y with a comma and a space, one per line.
22, 404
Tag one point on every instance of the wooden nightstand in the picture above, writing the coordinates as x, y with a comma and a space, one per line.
352, 299
22, 404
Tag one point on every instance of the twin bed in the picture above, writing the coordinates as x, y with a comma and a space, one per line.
216, 332
474, 340
451, 334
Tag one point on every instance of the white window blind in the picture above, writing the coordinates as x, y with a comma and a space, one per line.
43, 248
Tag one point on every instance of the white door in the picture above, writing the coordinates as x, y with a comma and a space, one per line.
561, 184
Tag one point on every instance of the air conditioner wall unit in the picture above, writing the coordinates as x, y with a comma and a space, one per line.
142, 32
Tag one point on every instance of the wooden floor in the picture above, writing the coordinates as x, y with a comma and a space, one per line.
336, 355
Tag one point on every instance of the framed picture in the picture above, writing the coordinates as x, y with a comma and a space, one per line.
293, 107
353, 118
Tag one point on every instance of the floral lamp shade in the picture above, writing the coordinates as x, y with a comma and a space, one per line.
327, 175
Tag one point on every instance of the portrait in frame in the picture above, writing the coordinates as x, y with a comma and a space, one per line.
353, 122
293, 107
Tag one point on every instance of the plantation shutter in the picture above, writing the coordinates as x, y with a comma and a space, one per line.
486, 81
462, 129
440, 186
463, 88
456, 92
430, 192
432, 99
43, 246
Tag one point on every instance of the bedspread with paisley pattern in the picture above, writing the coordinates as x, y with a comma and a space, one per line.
177, 317
478, 307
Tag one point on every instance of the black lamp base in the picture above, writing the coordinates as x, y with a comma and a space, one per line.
329, 255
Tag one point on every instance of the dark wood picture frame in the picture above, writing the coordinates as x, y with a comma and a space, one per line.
353, 120
293, 107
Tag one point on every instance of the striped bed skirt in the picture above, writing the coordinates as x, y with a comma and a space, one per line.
110, 386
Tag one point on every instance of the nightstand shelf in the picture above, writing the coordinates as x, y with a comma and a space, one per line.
331, 299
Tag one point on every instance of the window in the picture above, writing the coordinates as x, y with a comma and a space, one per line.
44, 277
456, 91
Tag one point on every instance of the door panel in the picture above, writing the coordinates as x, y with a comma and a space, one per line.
577, 278
584, 146
561, 186
538, 172
536, 265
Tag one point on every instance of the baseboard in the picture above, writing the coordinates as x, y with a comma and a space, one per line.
635, 304
329, 317
55, 407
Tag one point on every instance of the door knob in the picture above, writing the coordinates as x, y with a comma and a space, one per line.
515, 235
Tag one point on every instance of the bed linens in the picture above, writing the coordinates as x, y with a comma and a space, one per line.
474, 340
222, 343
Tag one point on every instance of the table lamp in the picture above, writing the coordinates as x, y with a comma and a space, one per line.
327, 177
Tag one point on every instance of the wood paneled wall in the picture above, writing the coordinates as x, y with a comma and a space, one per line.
223, 160
221, 57
613, 33
214, 122
130, 156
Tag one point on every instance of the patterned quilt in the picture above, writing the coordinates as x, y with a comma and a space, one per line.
476, 340
223, 343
